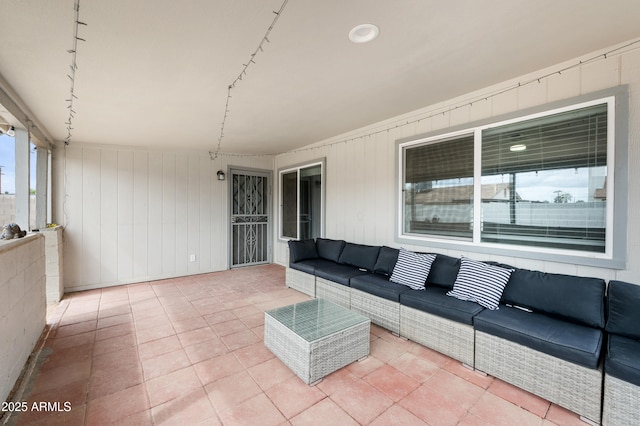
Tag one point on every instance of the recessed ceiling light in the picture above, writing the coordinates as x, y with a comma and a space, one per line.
363, 33
517, 148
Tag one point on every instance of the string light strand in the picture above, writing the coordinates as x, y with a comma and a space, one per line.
243, 73
386, 129
74, 67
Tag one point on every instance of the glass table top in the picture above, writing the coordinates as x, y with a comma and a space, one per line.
316, 318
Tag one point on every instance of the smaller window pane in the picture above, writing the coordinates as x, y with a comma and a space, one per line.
310, 202
438, 188
290, 204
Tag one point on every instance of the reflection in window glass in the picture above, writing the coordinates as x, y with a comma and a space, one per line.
310, 202
301, 202
290, 204
544, 181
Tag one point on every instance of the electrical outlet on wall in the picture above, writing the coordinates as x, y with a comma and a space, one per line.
192, 258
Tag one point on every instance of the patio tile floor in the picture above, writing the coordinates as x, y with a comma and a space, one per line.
189, 351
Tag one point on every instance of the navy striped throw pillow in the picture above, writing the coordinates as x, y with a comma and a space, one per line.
412, 269
480, 282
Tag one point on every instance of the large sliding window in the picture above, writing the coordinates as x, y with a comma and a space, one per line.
545, 181
301, 202
539, 183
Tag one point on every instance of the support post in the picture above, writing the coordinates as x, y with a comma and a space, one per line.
42, 186
22, 179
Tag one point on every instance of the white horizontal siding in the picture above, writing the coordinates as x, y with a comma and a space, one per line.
361, 167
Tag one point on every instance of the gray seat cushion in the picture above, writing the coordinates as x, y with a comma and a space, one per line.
562, 339
337, 273
378, 285
309, 266
434, 300
623, 359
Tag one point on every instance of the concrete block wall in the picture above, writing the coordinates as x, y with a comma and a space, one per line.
22, 305
54, 270
8, 210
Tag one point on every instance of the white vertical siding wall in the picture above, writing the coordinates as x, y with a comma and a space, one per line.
361, 170
132, 215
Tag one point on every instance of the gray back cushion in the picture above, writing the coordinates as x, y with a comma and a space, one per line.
329, 249
575, 298
623, 300
302, 250
386, 261
444, 271
360, 256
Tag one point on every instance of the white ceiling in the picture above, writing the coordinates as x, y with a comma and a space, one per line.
156, 72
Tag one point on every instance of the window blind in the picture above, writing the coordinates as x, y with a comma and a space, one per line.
553, 170
572, 139
439, 188
449, 159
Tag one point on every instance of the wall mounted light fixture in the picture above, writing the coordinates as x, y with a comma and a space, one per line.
221, 175
11, 132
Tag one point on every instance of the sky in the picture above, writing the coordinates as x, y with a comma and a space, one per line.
7, 161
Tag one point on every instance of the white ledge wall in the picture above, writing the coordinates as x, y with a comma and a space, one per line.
360, 181
22, 305
133, 215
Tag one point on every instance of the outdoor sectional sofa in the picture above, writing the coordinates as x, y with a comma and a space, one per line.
546, 336
622, 357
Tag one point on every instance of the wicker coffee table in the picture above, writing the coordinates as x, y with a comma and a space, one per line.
316, 337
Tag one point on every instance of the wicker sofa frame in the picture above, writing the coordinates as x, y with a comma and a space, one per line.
620, 406
570, 385
445, 336
448, 337
336, 293
301, 281
382, 312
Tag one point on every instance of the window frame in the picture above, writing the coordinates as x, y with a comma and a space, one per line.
614, 255
297, 168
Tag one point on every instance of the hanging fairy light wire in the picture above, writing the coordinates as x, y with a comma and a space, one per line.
633, 45
74, 67
242, 74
